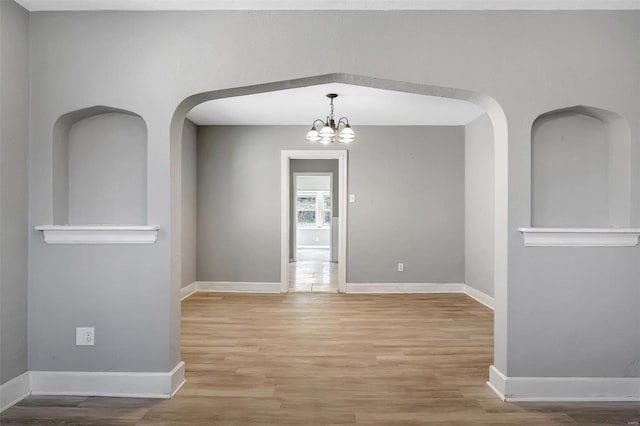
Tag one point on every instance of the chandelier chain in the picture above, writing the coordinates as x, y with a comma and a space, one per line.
331, 109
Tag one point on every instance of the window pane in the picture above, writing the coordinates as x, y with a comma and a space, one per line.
306, 202
327, 217
307, 217
327, 202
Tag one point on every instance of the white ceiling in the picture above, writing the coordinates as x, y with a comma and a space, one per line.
38, 5
362, 105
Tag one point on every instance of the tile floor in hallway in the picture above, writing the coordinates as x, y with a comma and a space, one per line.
313, 271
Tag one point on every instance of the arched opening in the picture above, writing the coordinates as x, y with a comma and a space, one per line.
498, 127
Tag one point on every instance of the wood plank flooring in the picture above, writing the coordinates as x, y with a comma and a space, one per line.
305, 359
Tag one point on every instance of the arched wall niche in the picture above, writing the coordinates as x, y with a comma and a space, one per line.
500, 131
100, 168
580, 166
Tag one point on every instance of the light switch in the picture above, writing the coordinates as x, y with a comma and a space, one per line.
352, 198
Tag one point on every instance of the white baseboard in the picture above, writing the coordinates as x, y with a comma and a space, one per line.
118, 384
603, 389
481, 297
369, 288
15, 390
238, 287
405, 288
497, 382
188, 290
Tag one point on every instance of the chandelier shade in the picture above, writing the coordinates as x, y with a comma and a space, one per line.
326, 131
313, 135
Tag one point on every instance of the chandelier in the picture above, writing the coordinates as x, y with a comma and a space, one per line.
327, 131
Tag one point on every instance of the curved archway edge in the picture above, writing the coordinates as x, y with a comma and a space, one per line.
500, 130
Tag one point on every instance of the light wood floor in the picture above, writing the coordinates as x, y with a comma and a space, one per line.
301, 359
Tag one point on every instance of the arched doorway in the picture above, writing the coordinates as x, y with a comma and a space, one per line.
488, 104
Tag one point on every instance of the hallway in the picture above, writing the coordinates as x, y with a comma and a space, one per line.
313, 272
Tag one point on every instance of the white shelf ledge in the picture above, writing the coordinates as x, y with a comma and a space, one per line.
580, 237
99, 234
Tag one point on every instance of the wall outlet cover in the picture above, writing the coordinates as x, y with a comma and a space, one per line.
85, 336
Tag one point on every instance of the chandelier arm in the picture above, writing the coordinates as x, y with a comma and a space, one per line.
344, 121
315, 121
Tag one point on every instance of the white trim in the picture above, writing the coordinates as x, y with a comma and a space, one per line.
293, 212
50, 5
603, 389
369, 288
188, 290
15, 390
382, 288
580, 237
285, 198
238, 287
497, 382
479, 296
178, 378
99, 234
119, 384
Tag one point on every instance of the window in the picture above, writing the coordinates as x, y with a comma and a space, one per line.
307, 207
313, 209
326, 205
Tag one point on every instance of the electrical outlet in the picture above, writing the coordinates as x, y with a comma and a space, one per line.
352, 198
400, 267
84, 336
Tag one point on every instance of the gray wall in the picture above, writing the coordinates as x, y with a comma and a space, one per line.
314, 237
479, 204
313, 166
409, 186
14, 120
189, 185
529, 62
107, 166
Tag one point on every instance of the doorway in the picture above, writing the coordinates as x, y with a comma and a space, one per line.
313, 216
313, 265
498, 124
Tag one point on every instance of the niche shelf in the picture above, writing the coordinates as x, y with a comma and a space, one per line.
580, 237
99, 234
580, 180
99, 179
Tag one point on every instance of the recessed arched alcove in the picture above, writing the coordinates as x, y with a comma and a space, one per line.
100, 168
580, 169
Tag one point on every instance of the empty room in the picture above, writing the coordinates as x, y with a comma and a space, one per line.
341, 212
